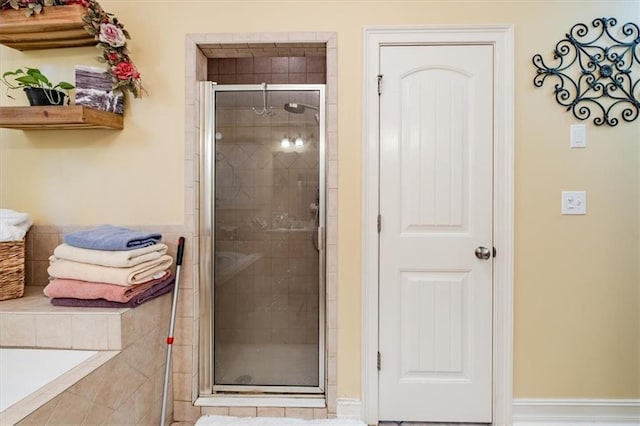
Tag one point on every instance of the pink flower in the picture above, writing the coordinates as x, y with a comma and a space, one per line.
112, 35
112, 56
125, 71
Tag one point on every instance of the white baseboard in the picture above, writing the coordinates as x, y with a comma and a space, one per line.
349, 408
575, 412
546, 412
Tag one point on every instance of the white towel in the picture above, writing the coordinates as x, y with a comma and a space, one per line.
13, 225
61, 268
114, 259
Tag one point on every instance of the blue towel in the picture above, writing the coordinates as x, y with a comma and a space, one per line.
108, 237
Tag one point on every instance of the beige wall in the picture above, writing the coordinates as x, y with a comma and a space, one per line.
577, 301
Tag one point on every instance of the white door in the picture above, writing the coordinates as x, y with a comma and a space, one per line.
436, 207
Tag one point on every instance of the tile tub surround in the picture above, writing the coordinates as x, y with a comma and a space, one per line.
116, 386
25, 407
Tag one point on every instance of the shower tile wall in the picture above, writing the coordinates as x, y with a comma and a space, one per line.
263, 198
264, 194
264, 69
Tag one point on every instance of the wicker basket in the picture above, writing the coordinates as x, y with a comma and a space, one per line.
11, 269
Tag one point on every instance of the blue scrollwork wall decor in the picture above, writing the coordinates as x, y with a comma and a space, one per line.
596, 73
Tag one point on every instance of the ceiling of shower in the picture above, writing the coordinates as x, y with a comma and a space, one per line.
248, 50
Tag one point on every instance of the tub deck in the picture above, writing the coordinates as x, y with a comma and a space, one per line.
33, 322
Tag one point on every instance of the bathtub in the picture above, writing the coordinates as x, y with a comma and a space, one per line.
29, 377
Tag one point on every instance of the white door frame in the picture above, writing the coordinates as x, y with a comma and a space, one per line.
501, 37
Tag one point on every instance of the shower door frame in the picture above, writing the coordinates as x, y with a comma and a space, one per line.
206, 218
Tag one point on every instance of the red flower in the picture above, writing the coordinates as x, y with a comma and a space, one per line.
125, 71
112, 56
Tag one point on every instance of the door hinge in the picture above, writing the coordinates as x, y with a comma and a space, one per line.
379, 223
379, 84
378, 361
494, 252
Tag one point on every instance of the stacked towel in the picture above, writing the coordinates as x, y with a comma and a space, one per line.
108, 237
116, 259
138, 274
13, 225
82, 293
109, 266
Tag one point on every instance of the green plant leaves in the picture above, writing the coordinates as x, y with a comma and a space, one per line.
64, 85
16, 72
28, 80
31, 77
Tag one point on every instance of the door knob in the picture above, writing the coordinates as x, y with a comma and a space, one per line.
483, 253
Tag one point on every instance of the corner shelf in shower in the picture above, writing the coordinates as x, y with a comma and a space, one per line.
229, 264
58, 118
55, 27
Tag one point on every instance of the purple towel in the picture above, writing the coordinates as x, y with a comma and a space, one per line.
109, 237
152, 292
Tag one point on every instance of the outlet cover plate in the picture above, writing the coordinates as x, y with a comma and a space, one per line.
574, 202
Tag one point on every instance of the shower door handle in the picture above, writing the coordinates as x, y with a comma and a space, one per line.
320, 238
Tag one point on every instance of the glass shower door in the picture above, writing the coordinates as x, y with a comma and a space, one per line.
268, 263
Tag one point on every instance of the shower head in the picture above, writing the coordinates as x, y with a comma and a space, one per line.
296, 108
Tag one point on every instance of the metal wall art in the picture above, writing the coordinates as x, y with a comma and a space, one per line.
596, 72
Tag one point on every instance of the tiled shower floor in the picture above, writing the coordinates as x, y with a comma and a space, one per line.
267, 364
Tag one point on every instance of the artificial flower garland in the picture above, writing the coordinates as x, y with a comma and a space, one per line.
107, 30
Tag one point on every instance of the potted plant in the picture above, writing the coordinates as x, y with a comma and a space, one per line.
37, 87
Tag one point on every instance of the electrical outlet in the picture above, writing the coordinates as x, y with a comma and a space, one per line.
574, 202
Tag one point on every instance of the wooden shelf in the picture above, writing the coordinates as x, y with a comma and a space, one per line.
54, 27
58, 117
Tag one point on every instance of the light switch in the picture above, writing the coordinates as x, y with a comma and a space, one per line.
578, 136
574, 202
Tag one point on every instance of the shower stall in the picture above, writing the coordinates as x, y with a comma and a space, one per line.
262, 220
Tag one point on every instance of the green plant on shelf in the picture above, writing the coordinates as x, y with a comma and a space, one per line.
32, 78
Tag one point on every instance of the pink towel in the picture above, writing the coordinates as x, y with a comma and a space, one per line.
62, 287
152, 292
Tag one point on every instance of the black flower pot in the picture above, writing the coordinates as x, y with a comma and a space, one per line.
39, 96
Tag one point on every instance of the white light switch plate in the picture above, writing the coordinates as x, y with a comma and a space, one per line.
574, 202
578, 136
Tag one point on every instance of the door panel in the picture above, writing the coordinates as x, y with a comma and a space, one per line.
433, 153
436, 142
432, 329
